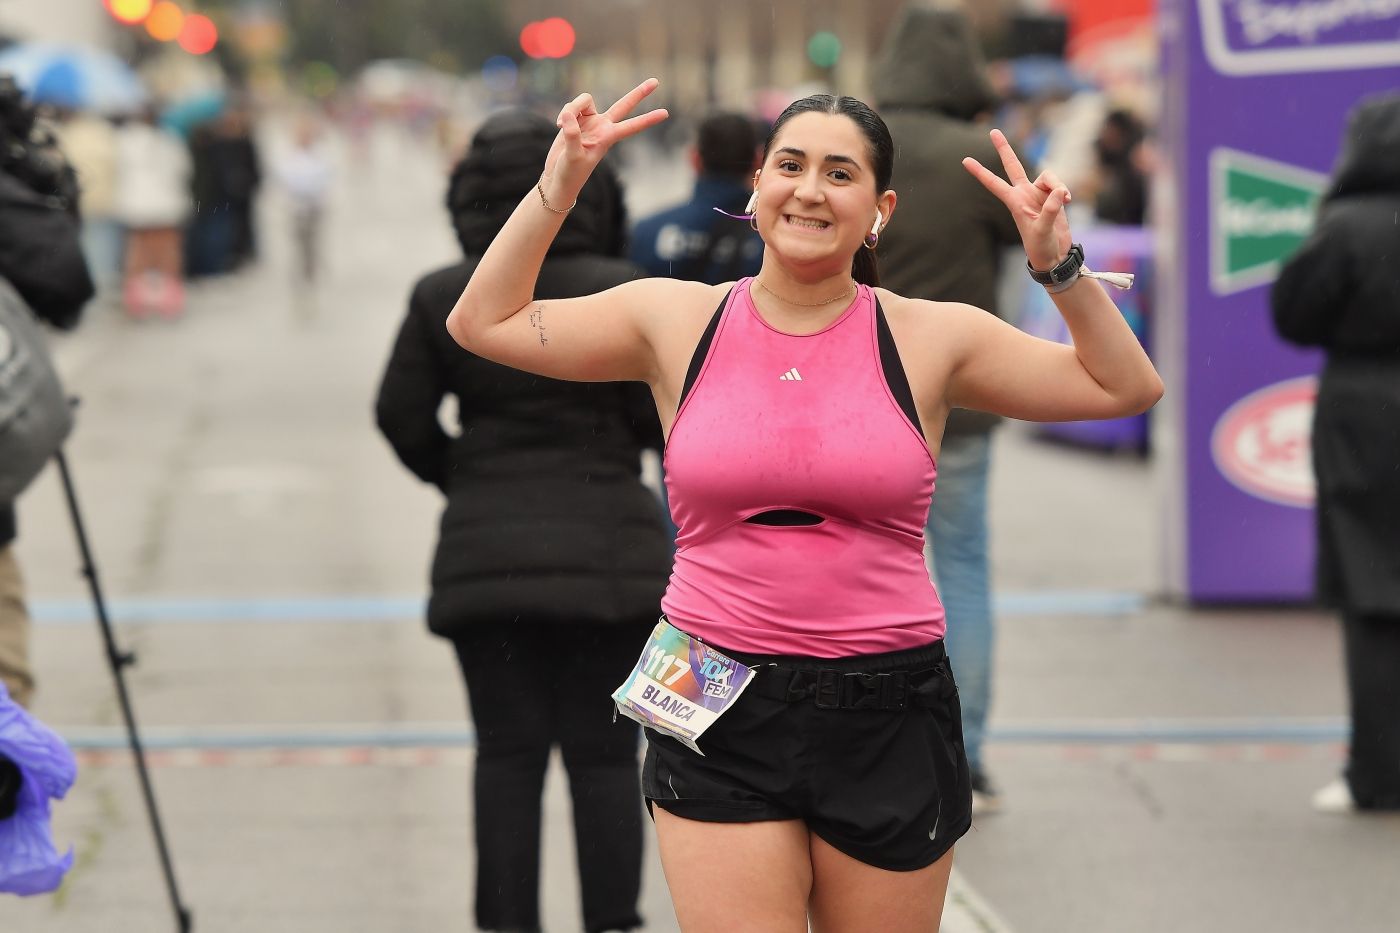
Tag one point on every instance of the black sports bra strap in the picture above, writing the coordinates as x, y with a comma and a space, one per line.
895, 376
702, 350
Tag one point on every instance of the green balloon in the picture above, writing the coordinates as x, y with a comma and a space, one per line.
824, 49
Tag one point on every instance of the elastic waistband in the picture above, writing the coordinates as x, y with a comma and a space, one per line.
889, 680
893, 680
906, 659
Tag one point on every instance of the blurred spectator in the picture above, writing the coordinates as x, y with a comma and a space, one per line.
1341, 292
209, 237
1070, 128
947, 245
153, 203
90, 143
227, 174
1036, 91
41, 258
551, 558
1119, 191
692, 241
304, 173
243, 178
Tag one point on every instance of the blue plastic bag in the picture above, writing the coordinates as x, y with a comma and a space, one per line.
29, 864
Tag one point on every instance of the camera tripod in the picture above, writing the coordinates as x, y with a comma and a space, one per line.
119, 660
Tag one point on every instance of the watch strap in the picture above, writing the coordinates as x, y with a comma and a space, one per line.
1063, 274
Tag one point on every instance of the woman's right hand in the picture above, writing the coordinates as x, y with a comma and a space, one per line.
585, 136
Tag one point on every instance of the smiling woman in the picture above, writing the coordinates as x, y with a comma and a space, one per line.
804, 409
855, 154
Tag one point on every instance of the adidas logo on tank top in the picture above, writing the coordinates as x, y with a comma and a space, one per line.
792, 375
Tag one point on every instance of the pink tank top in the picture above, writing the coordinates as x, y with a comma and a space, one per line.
811, 424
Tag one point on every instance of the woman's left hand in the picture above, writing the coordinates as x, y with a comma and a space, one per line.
1038, 206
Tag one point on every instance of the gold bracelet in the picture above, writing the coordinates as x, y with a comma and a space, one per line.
539, 186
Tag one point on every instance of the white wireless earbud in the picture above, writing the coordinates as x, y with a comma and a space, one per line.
875, 229
753, 203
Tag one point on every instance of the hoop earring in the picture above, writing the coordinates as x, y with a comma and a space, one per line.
753, 221
872, 239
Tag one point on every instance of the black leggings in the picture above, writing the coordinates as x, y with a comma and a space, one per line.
533, 686
1373, 687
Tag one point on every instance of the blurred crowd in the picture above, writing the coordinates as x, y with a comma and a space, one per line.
161, 205
170, 186
170, 183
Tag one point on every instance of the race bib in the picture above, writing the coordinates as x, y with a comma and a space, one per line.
680, 686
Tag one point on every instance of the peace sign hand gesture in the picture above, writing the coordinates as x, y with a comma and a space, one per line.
1037, 206
585, 136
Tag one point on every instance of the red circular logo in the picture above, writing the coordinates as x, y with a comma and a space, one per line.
1262, 443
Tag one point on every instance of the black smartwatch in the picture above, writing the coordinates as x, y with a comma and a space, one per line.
1062, 276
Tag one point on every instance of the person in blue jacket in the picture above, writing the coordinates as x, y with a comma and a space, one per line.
693, 242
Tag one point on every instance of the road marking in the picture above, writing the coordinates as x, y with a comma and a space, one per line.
401, 608
966, 911
376, 609
111, 751
1264, 740
1241, 730
1069, 602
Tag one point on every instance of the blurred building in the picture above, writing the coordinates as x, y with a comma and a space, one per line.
722, 53
83, 22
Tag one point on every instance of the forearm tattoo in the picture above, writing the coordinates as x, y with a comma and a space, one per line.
537, 322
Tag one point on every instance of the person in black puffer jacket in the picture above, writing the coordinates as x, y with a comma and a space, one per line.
552, 556
1341, 292
41, 257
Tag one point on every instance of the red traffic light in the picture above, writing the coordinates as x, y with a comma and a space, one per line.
198, 34
548, 38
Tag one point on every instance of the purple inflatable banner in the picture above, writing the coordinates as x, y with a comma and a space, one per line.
1244, 37
1257, 94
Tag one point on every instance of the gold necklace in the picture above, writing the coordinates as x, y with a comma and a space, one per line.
808, 304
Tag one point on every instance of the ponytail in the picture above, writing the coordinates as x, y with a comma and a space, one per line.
865, 269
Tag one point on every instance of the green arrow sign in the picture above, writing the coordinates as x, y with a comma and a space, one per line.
1260, 212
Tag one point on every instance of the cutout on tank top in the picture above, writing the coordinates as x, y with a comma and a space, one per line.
785, 518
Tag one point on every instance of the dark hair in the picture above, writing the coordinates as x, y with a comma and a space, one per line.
727, 144
503, 164
1129, 131
864, 268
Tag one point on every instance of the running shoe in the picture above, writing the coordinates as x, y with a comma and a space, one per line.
1334, 798
986, 798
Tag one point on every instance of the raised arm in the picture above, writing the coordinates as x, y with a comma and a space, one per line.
590, 338
1105, 374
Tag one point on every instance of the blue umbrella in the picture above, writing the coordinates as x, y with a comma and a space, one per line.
29, 863
183, 116
75, 77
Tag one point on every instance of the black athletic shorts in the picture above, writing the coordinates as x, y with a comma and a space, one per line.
872, 764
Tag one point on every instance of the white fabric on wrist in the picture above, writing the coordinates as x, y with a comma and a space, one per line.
1123, 280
